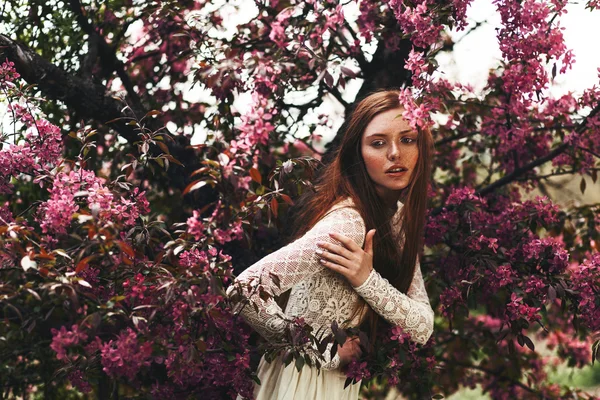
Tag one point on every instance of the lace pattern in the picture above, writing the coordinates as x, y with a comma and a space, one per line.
320, 295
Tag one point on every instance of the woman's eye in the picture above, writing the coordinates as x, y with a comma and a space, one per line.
377, 143
408, 140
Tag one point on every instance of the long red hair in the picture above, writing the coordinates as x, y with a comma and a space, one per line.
346, 176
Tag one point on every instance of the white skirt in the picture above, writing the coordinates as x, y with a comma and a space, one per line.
286, 383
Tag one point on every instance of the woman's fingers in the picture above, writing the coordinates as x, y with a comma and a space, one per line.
369, 241
346, 241
350, 350
334, 258
334, 267
334, 248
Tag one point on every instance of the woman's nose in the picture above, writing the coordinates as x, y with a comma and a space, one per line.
394, 151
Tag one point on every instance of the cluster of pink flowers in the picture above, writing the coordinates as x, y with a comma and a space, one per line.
39, 147
255, 127
195, 226
80, 381
399, 335
255, 130
125, 356
194, 259
476, 243
42, 147
369, 18
417, 21
63, 339
517, 309
503, 276
585, 279
358, 370
46, 142
550, 254
537, 287
14, 160
416, 114
136, 289
267, 76
578, 352
232, 233
55, 214
449, 299
7, 74
278, 26
526, 37
464, 194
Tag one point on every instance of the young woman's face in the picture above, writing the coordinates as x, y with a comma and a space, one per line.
390, 152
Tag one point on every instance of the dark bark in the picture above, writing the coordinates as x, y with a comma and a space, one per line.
108, 57
385, 71
88, 99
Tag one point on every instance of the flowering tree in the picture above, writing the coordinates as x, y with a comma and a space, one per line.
118, 242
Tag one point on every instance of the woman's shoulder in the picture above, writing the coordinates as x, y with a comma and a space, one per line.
345, 208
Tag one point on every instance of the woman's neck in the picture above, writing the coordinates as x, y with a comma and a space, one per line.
391, 200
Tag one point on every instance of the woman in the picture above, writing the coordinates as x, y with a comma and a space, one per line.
373, 192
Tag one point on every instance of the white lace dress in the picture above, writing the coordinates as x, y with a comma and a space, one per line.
321, 296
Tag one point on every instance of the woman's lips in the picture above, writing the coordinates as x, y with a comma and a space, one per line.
399, 173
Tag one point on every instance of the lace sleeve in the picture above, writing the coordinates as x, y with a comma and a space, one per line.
411, 311
288, 266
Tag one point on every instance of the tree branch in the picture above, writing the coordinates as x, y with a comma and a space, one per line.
91, 101
88, 99
107, 55
550, 175
495, 373
528, 167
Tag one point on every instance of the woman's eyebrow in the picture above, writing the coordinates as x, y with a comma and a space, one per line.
386, 134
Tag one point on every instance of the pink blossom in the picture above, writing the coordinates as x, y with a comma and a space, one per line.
464, 194
79, 380
503, 276
417, 22
8, 74
516, 309
235, 232
358, 370
449, 298
195, 226
415, 62
536, 286
277, 33
125, 356
417, 115
194, 259
399, 335
585, 278
63, 339
46, 141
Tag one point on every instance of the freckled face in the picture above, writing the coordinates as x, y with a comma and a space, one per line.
390, 152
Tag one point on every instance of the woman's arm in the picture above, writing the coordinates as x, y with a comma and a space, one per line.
288, 266
411, 311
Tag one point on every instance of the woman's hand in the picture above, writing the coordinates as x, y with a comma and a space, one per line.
354, 263
349, 351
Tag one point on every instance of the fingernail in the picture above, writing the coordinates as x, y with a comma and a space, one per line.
319, 251
322, 261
